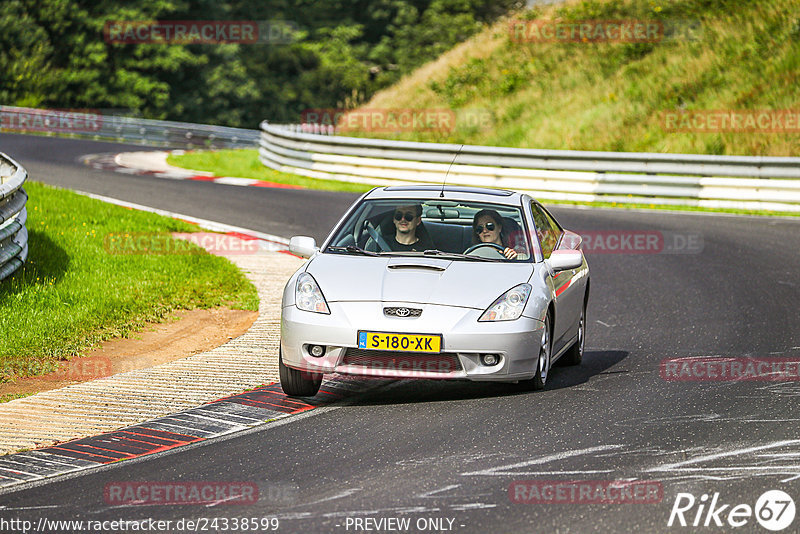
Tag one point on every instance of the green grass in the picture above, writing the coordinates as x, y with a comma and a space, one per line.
244, 163
13, 396
743, 55
72, 293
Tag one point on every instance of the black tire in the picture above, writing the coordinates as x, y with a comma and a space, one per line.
543, 362
574, 355
298, 383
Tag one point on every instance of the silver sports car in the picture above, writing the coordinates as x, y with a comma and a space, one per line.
435, 282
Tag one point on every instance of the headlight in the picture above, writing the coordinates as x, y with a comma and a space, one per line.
509, 305
308, 296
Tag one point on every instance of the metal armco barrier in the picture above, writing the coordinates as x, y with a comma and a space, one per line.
96, 125
741, 182
13, 234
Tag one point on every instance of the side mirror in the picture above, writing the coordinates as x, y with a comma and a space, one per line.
303, 246
561, 260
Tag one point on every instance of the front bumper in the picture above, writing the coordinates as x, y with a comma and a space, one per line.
516, 343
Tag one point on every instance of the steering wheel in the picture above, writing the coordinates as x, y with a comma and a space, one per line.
377, 237
497, 248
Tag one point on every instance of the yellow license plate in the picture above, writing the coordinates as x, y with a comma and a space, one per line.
399, 342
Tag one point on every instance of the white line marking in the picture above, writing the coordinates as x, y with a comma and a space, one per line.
220, 422
44, 506
475, 506
345, 493
202, 223
230, 180
222, 501
412, 509
543, 460
604, 324
679, 466
717, 478
430, 493
296, 515
554, 473
741, 468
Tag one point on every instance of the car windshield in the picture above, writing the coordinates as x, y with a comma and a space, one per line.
460, 230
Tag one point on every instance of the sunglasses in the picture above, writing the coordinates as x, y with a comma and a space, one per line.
408, 216
479, 228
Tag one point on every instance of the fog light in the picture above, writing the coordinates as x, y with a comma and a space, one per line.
489, 359
316, 351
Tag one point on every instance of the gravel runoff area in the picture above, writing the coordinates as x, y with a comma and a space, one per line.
125, 399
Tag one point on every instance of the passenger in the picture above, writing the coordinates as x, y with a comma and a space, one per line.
487, 227
410, 234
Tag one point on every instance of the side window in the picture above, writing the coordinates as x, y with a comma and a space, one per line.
546, 229
557, 230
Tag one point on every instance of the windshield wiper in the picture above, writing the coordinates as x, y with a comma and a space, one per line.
435, 252
352, 249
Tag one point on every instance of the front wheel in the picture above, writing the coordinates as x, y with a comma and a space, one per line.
539, 380
574, 356
298, 383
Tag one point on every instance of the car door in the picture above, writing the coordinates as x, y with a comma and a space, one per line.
567, 294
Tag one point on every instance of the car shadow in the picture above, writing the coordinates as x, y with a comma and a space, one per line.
409, 391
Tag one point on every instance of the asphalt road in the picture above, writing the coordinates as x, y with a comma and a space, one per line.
435, 451
284, 212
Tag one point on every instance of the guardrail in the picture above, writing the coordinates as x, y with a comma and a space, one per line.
13, 234
741, 182
96, 125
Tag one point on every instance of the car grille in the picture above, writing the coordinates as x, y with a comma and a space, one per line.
402, 361
402, 312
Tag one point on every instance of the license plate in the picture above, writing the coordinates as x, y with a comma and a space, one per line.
399, 342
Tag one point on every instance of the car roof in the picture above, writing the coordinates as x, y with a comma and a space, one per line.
449, 192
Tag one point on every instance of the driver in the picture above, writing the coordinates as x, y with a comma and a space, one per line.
487, 227
409, 233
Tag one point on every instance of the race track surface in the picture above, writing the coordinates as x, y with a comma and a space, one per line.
435, 451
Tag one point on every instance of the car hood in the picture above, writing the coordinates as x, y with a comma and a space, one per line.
425, 280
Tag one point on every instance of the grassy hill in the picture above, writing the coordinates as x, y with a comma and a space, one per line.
726, 55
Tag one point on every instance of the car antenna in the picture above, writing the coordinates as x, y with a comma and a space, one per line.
441, 195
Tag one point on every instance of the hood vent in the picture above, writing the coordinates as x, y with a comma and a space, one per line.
417, 266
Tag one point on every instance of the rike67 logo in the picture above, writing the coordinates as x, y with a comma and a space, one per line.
774, 511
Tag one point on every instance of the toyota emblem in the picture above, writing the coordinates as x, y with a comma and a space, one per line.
403, 312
